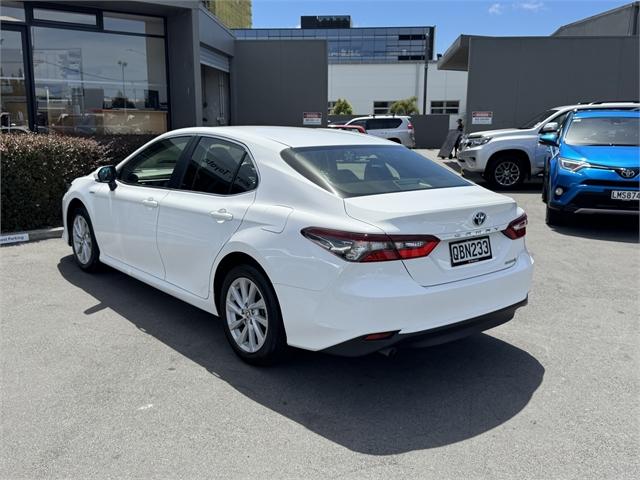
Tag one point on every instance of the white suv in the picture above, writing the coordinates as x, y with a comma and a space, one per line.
507, 157
396, 128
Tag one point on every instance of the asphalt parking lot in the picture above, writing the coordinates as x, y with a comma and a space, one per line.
105, 377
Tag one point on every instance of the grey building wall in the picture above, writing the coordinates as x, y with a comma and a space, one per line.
518, 77
619, 21
274, 81
184, 69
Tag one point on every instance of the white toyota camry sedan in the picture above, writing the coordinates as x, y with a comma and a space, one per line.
316, 239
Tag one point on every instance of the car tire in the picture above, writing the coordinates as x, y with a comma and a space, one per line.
554, 217
83, 241
506, 173
257, 335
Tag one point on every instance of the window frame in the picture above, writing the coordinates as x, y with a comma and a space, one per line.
183, 163
176, 171
30, 22
444, 105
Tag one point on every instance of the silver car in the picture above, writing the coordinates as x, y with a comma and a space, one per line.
396, 128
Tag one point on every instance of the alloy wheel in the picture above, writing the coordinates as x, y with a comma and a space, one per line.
247, 316
82, 243
507, 173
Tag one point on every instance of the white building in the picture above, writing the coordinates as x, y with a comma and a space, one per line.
372, 88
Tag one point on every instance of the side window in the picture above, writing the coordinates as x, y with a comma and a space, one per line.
361, 123
560, 119
391, 123
246, 179
154, 166
375, 124
214, 167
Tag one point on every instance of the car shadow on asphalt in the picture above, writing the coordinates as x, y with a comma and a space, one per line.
417, 400
614, 228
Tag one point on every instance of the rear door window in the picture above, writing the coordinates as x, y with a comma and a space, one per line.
219, 167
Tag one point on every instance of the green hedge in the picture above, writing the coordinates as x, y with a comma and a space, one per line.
36, 171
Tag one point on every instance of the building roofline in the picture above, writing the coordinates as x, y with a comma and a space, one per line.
597, 15
456, 57
329, 29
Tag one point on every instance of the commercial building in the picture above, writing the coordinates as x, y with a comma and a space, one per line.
374, 67
100, 68
511, 79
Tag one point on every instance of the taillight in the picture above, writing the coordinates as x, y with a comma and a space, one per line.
367, 247
410, 126
517, 228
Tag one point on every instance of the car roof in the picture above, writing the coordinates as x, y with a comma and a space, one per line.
582, 106
600, 113
279, 137
369, 117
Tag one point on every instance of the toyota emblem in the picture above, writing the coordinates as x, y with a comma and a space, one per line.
627, 172
479, 218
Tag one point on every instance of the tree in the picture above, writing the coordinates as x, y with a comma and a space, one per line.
342, 107
408, 106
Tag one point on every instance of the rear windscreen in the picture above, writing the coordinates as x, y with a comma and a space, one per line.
353, 171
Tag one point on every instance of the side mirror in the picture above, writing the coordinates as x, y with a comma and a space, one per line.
550, 127
108, 175
549, 139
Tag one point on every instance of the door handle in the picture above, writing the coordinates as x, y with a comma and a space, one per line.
221, 215
150, 202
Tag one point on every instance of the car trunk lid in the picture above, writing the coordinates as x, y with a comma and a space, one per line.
447, 213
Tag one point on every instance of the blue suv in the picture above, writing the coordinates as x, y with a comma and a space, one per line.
594, 164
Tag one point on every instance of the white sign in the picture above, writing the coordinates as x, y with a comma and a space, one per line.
481, 118
311, 118
18, 237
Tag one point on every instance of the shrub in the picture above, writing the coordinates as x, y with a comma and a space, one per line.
342, 107
36, 171
118, 147
408, 106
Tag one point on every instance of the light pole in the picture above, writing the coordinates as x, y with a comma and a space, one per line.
123, 64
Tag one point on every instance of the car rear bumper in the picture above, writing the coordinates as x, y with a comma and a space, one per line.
427, 338
389, 300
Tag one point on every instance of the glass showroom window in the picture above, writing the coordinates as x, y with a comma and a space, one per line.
90, 82
452, 107
13, 93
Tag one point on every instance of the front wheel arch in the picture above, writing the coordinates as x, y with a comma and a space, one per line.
74, 205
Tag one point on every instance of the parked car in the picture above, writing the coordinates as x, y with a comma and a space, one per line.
594, 164
398, 129
507, 157
305, 237
349, 128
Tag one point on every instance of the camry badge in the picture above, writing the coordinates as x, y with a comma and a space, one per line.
479, 218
